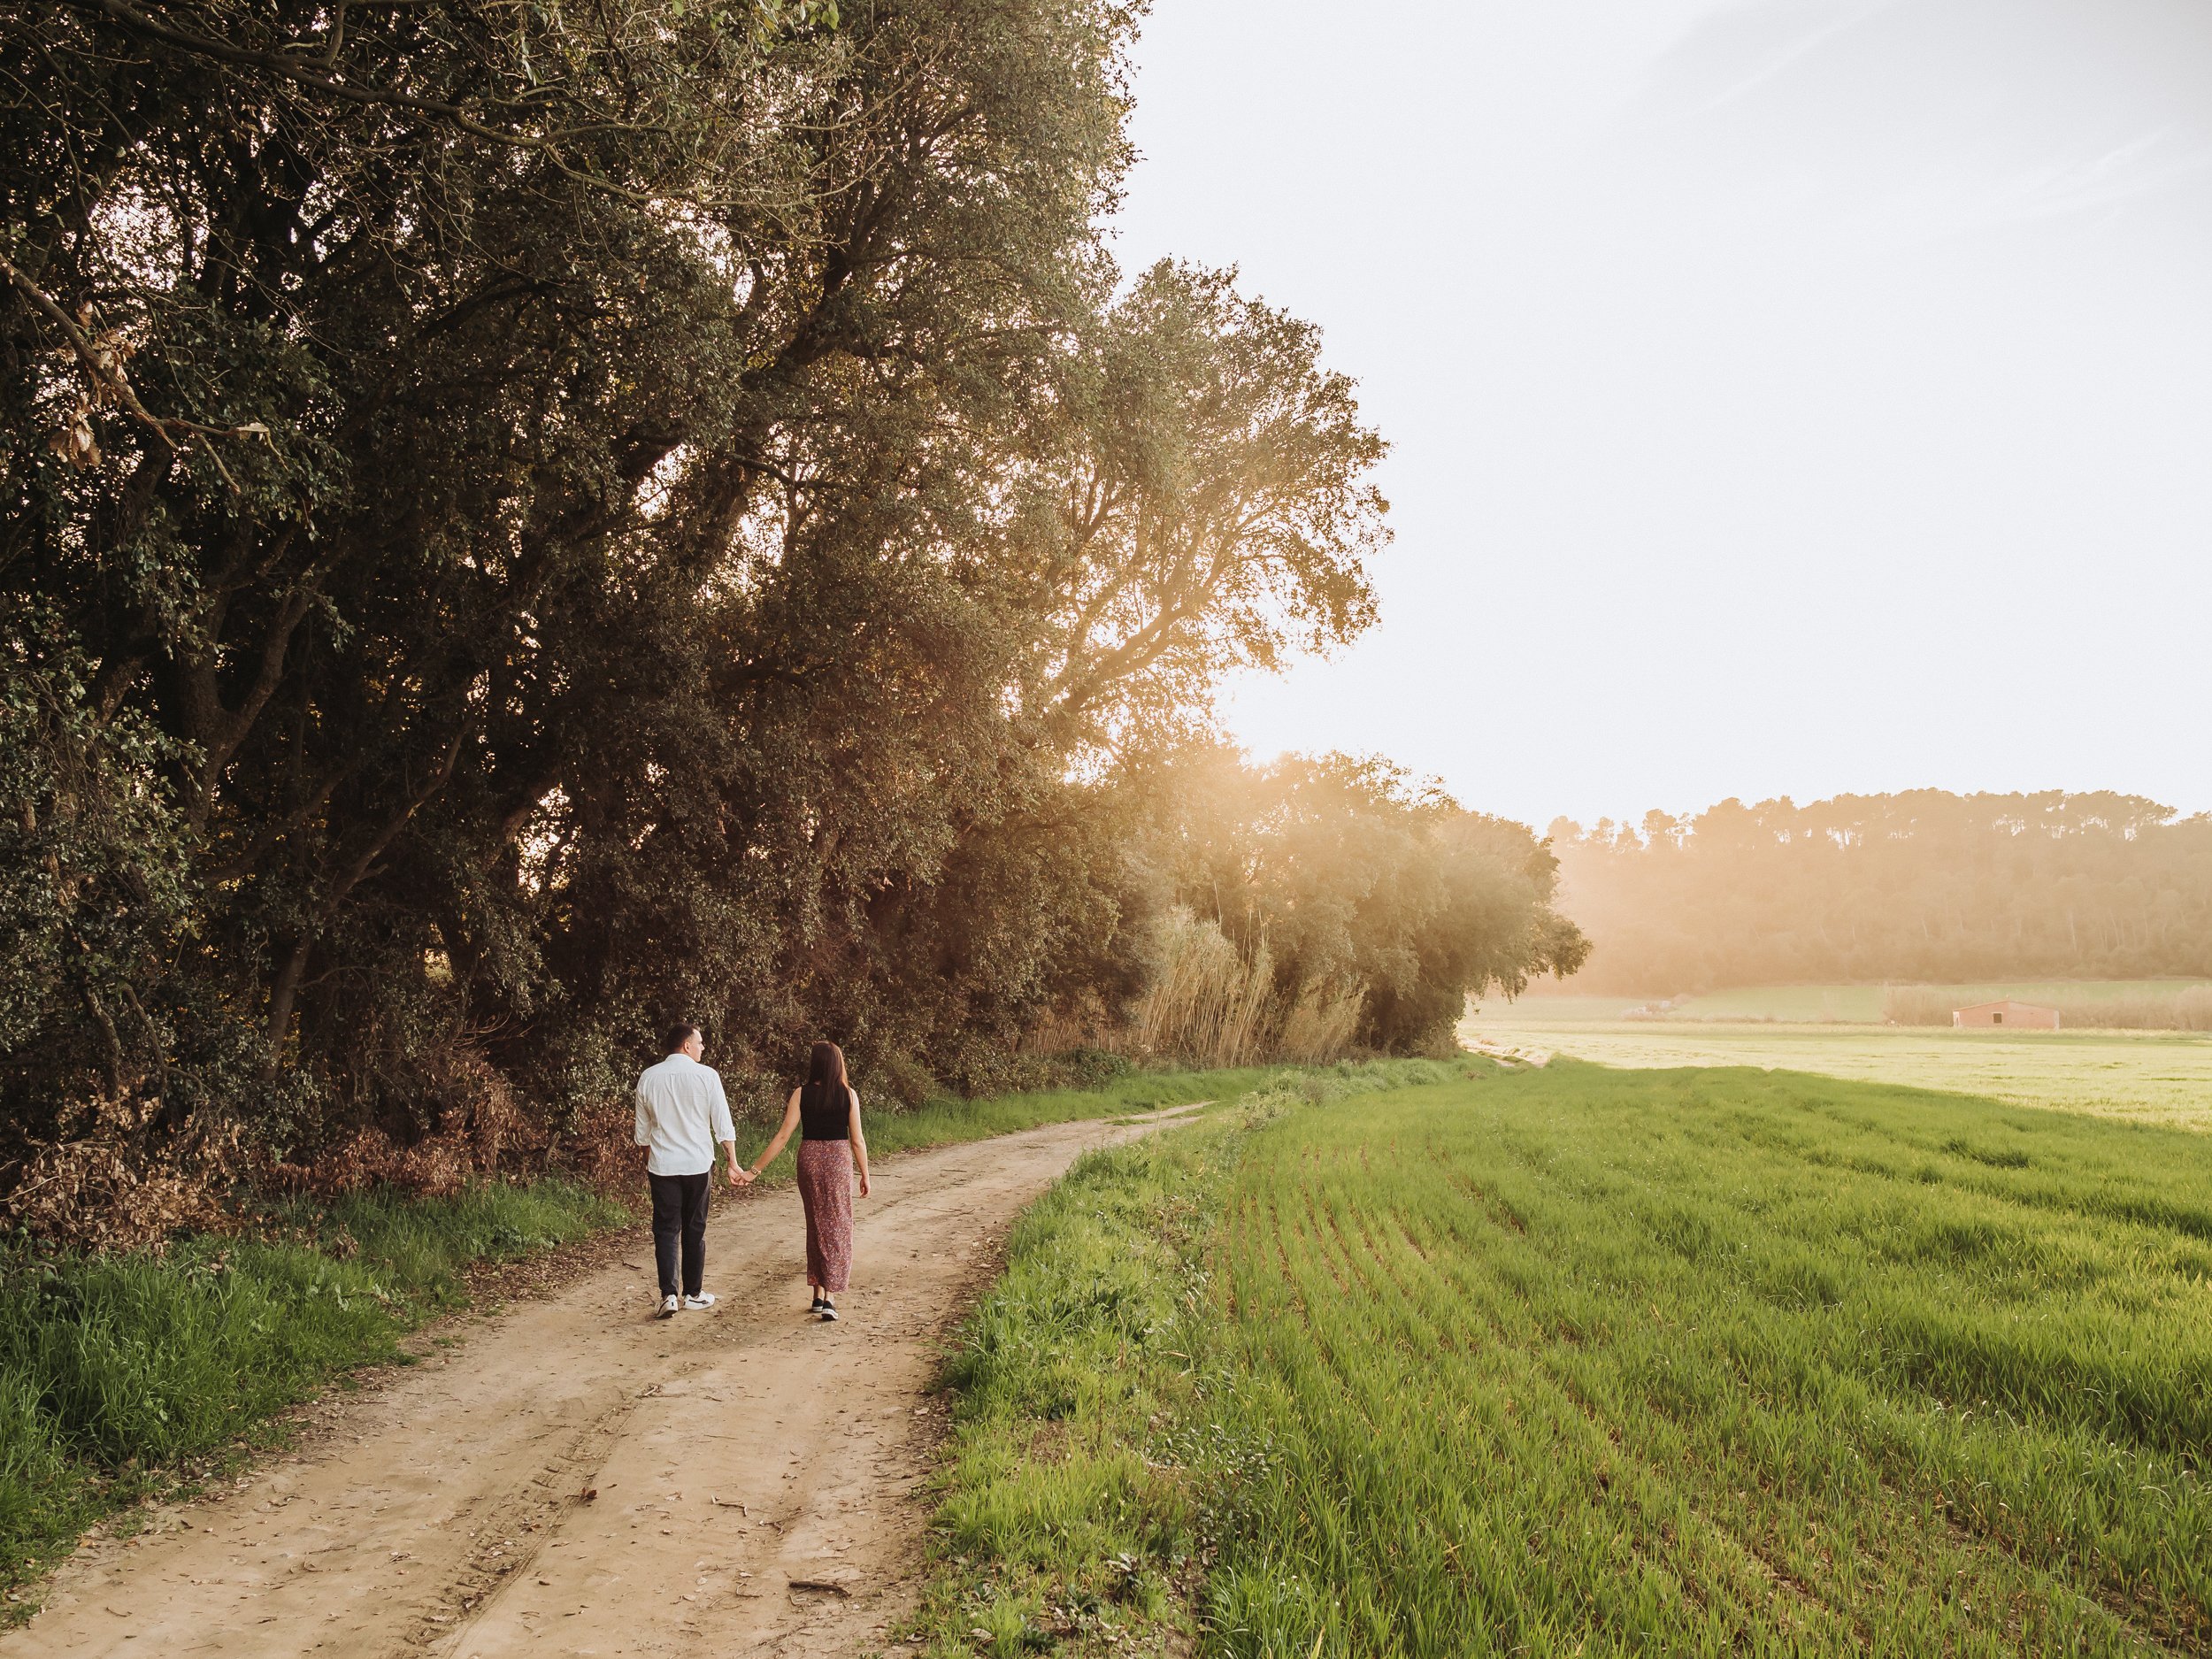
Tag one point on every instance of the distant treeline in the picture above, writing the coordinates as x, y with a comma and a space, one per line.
1926, 887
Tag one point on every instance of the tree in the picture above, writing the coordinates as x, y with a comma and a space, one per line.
505, 439
1208, 508
520, 527
1356, 880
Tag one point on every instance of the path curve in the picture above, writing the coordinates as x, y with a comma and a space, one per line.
757, 1473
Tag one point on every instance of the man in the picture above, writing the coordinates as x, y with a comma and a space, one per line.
682, 1112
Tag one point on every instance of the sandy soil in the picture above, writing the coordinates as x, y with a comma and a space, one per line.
576, 1477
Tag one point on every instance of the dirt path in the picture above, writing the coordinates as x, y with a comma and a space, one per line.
756, 1472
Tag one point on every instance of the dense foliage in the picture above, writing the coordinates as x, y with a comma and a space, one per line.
1349, 875
1925, 886
520, 524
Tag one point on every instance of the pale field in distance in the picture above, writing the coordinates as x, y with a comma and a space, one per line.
2148, 1076
1862, 1004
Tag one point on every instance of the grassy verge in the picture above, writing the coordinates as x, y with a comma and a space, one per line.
124, 1376
1588, 1361
1067, 1518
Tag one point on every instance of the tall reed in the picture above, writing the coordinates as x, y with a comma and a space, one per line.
1321, 1024
1206, 1004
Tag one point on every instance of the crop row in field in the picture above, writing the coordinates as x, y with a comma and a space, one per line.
1057, 1526
1702, 1363
1586, 1361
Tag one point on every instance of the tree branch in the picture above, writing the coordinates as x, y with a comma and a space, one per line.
303, 72
112, 377
319, 75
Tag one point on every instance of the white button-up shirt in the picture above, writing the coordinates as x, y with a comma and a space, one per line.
682, 1112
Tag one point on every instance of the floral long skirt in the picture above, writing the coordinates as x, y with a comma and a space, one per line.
826, 1188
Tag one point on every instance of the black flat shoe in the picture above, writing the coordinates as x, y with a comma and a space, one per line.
816, 1306
829, 1311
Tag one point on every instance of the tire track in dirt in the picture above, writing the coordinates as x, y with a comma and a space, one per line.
757, 1473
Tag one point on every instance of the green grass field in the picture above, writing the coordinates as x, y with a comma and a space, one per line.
1588, 1360
2148, 1077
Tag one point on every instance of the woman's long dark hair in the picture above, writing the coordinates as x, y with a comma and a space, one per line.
827, 1067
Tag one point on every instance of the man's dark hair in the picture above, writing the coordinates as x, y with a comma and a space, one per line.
678, 1035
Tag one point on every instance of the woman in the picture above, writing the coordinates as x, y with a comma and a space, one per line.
827, 1111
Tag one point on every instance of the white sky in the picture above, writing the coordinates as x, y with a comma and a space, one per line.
1788, 398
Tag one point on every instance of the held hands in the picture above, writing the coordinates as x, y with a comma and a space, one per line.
741, 1178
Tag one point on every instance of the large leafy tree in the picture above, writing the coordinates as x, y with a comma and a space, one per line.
456, 432
1213, 509
543, 515
519, 524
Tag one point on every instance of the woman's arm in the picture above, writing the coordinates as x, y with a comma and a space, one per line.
783, 1133
860, 1141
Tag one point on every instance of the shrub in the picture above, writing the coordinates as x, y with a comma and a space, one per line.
1091, 1068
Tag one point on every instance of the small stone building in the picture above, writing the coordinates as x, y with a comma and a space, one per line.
2028, 1015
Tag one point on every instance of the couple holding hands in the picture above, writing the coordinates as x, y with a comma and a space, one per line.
682, 1113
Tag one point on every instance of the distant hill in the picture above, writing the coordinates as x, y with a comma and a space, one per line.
1924, 886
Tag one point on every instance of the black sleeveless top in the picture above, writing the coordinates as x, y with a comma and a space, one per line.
825, 1112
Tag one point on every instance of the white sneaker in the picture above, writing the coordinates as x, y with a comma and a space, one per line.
669, 1304
705, 1299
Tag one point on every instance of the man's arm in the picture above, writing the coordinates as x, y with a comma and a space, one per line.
725, 1131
